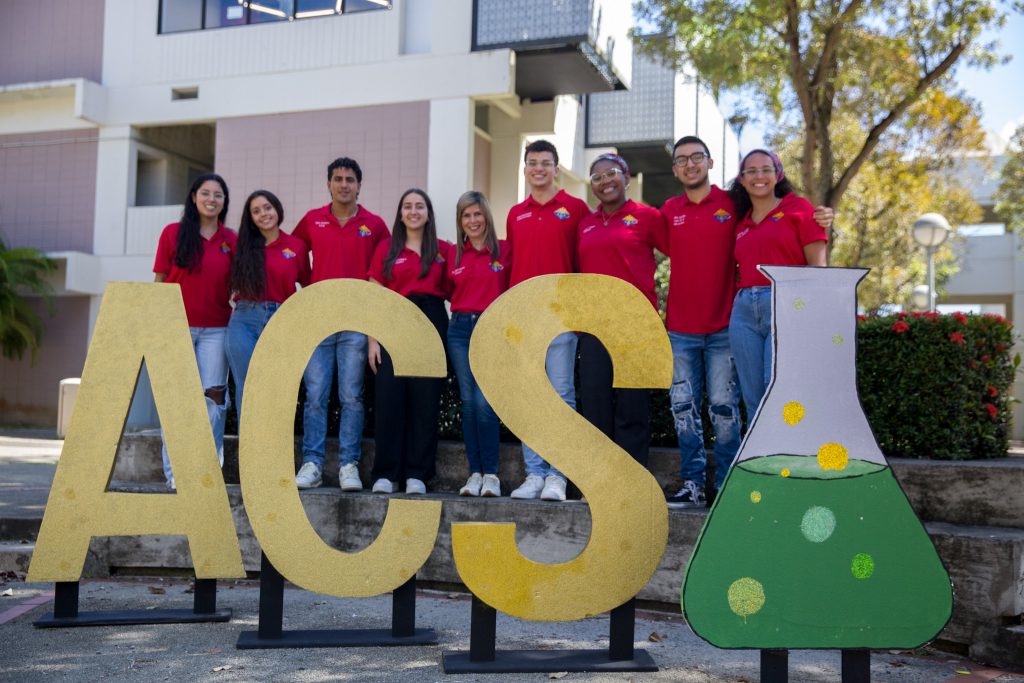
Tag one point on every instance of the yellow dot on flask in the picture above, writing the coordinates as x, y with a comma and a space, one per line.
755, 496
793, 412
746, 596
833, 456
799, 304
785, 472
837, 339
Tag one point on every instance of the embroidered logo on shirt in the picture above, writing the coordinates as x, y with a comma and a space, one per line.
439, 259
777, 216
288, 254
400, 259
321, 224
496, 266
458, 271
561, 213
630, 219
524, 216
679, 220
225, 248
588, 229
721, 215
741, 234
364, 231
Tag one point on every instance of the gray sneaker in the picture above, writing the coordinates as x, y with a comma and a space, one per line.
472, 487
308, 476
554, 488
530, 488
348, 478
491, 486
690, 496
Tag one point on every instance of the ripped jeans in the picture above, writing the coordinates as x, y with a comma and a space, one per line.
701, 360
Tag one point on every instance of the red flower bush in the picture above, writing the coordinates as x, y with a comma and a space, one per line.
956, 337
899, 327
993, 412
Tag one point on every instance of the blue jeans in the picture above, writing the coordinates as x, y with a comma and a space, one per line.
244, 329
480, 428
208, 344
750, 336
560, 363
346, 352
699, 361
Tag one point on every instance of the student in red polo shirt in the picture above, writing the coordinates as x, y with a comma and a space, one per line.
541, 231
195, 253
342, 237
268, 264
478, 272
617, 239
702, 230
412, 263
777, 228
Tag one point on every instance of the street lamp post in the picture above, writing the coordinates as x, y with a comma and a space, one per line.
930, 231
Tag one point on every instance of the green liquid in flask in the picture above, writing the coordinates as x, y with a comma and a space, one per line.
794, 556
811, 542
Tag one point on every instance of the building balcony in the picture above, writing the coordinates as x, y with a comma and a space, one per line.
643, 122
563, 47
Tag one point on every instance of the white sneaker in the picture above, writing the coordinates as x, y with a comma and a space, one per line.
308, 476
383, 486
530, 488
415, 487
472, 487
554, 488
348, 478
491, 487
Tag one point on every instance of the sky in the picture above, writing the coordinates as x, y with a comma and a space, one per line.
1002, 112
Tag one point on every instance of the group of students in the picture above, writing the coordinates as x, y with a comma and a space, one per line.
719, 306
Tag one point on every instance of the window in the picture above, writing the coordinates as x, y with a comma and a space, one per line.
194, 15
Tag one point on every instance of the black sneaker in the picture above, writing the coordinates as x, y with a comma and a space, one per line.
690, 496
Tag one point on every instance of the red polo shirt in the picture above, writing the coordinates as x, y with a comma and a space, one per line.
341, 251
701, 236
405, 273
622, 244
287, 263
479, 278
206, 289
543, 236
778, 240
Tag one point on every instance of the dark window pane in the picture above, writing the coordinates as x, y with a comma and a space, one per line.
181, 15
362, 5
270, 10
315, 8
224, 13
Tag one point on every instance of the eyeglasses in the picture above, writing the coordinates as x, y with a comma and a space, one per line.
533, 163
684, 160
606, 175
751, 172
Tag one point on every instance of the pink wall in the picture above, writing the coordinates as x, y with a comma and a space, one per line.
43, 40
288, 154
48, 189
28, 393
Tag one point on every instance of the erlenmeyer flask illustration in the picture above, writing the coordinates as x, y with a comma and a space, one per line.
811, 542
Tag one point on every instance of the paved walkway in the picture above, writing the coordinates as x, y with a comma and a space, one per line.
207, 651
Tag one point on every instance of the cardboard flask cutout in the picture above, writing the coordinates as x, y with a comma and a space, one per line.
811, 542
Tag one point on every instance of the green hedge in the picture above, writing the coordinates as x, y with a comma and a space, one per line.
932, 386
937, 386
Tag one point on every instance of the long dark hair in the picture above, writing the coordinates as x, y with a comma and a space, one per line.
468, 199
188, 251
248, 269
738, 193
428, 250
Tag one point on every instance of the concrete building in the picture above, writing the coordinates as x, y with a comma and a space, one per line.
109, 109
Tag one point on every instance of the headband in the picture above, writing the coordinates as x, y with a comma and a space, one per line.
614, 158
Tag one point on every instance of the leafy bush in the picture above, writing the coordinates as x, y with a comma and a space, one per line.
937, 386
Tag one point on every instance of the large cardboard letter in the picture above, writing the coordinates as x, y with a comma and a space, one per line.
629, 521
266, 445
137, 321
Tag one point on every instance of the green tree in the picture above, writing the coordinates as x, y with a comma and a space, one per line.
1010, 194
22, 271
804, 63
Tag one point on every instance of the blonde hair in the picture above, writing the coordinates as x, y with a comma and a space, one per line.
467, 200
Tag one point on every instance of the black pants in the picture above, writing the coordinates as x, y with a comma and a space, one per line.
624, 415
406, 411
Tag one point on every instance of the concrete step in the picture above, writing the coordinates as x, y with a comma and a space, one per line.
973, 492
